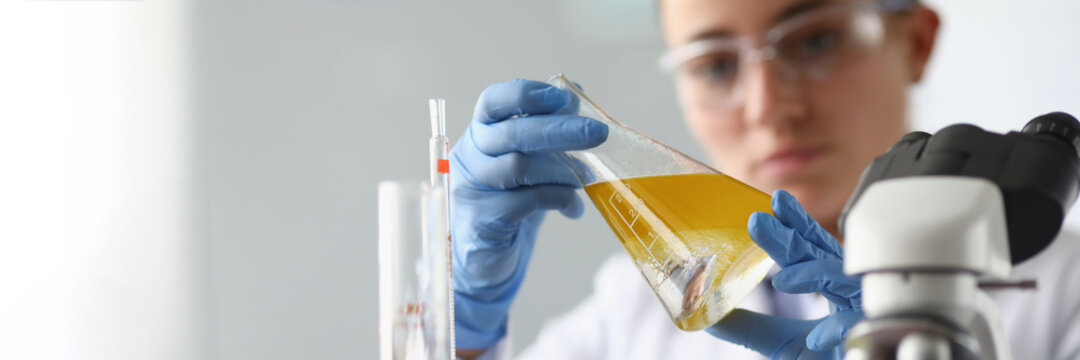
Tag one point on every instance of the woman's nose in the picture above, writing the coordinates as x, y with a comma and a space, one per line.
773, 95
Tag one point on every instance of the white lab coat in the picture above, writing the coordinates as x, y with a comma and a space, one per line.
623, 320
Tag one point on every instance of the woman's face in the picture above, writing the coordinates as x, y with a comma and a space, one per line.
812, 138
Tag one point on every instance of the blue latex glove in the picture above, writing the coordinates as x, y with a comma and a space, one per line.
504, 174
810, 260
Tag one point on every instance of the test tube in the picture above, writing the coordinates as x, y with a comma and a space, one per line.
413, 278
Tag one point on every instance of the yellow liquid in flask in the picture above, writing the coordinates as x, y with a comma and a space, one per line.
687, 234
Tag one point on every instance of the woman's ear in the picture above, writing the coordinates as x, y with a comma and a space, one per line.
922, 34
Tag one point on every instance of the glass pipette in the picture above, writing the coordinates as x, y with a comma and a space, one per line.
439, 148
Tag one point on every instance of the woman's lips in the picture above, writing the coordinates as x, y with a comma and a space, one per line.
789, 163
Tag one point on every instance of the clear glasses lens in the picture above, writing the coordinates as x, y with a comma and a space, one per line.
820, 43
717, 69
808, 47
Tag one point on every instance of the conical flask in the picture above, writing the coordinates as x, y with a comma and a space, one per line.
682, 222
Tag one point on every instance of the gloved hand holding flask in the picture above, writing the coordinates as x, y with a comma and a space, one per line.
505, 174
811, 260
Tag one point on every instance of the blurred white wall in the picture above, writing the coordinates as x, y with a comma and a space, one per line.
97, 260
1000, 63
218, 200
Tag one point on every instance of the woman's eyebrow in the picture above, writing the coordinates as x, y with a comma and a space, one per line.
711, 34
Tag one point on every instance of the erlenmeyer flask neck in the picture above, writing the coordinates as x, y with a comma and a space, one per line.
581, 100
626, 153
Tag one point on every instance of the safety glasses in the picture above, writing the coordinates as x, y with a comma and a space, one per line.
808, 47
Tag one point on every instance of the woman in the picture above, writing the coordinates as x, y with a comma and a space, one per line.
797, 95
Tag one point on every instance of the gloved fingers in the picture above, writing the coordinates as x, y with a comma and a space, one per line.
791, 213
519, 97
765, 334
489, 269
830, 332
825, 276
785, 245
575, 102
507, 171
538, 133
497, 213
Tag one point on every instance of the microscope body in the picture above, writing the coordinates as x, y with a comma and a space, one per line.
921, 270
938, 217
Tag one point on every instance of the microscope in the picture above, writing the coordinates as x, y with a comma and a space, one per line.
940, 218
